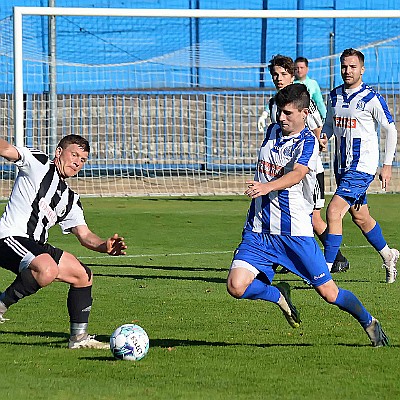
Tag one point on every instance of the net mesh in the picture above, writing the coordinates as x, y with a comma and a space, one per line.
169, 106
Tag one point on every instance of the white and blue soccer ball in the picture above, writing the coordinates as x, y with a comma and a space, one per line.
129, 342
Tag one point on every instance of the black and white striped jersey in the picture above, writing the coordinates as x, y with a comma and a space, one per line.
39, 200
313, 119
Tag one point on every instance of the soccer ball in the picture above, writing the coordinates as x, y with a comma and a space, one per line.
129, 342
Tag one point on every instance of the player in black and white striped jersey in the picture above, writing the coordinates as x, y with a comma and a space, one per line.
39, 200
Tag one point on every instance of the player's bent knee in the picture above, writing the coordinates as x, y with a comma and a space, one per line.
236, 288
236, 292
44, 269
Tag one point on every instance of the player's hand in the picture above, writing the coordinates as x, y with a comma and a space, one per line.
385, 176
116, 245
262, 121
256, 189
323, 142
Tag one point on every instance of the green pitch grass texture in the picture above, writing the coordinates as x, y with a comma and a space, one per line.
203, 343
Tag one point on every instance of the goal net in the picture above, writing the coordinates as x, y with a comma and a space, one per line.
169, 102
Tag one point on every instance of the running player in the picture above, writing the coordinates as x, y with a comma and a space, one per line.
278, 228
40, 199
282, 70
354, 111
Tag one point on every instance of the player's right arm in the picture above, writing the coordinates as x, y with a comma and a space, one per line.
256, 189
8, 151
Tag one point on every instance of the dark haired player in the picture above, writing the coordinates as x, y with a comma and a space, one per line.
278, 228
282, 70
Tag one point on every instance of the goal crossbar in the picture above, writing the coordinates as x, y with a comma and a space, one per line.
201, 87
173, 13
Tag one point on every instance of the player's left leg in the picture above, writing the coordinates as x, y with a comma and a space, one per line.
348, 302
335, 212
373, 233
79, 301
341, 263
33, 265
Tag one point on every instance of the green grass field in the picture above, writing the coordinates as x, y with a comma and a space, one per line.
203, 343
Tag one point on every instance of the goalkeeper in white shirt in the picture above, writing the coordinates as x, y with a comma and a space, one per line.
282, 70
354, 112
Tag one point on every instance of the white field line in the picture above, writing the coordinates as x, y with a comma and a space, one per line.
186, 254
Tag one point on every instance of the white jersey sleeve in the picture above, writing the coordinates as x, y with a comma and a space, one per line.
313, 120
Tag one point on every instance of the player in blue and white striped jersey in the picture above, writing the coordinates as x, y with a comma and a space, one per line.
39, 200
354, 112
278, 230
282, 70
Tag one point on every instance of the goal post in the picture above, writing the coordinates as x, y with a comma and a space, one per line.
178, 121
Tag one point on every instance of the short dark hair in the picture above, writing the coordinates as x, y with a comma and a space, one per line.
301, 59
281, 61
352, 52
296, 94
74, 139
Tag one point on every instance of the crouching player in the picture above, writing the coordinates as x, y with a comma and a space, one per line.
39, 200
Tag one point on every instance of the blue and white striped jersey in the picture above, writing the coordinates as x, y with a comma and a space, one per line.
353, 116
313, 121
40, 199
288, 211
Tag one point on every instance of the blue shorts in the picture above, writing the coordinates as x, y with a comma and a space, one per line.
260, 252
352, 187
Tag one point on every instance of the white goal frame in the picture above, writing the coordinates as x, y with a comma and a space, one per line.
19, 12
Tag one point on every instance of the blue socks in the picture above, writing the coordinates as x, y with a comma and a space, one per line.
375, 238
258, 290
348, 302
331, 247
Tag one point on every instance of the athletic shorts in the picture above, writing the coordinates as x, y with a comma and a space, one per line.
352, 187
262, 253
319, 192
17, 252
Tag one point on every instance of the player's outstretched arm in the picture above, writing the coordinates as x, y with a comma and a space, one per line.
114, 245
8, 151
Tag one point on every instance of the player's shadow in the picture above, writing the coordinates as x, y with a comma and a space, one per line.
159, 267
199, 199
168, 277
167, 343
63, 336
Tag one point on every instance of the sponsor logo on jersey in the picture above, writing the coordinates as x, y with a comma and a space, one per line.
47, 211
269, 169
345, 122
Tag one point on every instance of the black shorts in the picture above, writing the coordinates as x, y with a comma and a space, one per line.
319, 192
17, 252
